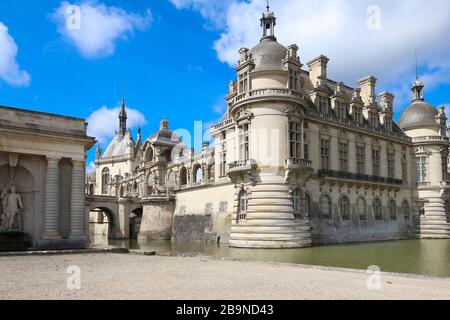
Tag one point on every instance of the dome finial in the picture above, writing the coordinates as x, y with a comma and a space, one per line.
268, 6
268, 22
418, 86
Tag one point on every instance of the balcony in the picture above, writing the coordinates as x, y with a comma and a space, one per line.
241, 166
296, 163
279, 93
431, 139
342, 175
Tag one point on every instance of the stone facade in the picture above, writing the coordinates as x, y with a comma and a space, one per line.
42, 157
298, 160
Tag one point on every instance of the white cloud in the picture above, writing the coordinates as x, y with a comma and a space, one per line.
95, 28
90, 168
103, 122
10, 71
339, 29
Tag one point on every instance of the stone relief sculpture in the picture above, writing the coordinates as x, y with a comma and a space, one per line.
11, 219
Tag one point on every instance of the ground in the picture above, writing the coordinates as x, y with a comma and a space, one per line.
128, 276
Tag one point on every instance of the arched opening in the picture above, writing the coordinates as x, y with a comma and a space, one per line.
211, 172
106, 177
362, 209
183, 176
344, 207
168, 156
405, 209
393, 209
325, 206
135, 222
377, 209
242, 207
101, 225
198, 174
149, 155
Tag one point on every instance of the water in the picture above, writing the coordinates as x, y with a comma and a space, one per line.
425, 257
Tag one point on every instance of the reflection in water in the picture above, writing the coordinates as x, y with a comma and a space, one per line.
428, 257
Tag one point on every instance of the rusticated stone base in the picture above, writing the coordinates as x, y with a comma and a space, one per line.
13, 241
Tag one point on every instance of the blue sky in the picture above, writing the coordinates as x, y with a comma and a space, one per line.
174, 57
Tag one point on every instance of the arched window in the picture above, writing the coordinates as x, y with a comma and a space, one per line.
183, 176
377, 209
198, 174
296, 199
105, 180
149, 155
344, 207
242, 208
325, 206
393, 209
362, 209
405, 209
211, 171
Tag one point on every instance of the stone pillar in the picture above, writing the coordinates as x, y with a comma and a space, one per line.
77, 205
51, 213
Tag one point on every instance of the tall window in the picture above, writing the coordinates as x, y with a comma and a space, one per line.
325, 153
223, 155
444, 159
297, 200
344, 206
362, 209
404, 169
376, 161
242, 208
244, 142
294, 82
341, 110
183, 176
295, 139
307, 204
343, 155
373, 119
322, 104
391, 163
360, 158
378, 209
325, 207
306, 152
393, 209
405, 210
422, 169
357, 115
243, 82
105, 180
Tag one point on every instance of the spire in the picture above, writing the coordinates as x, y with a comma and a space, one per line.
268, 22
123, 118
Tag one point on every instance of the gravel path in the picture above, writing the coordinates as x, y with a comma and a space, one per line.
126, 276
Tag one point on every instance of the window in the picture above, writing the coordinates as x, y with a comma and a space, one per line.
373, 119
295, 140
325, 153
105, 180
297, 198
422, 169
393, 209
404, 169
242, 208
223, 155
376, 161
391, 163
209, 208
211, 171
362, 209
343, 155
322, 104
244, 142
341, 110
294, 80
243, 82
198, 174
306, 152
360, 158
405, 210
307, 204
325, 207
388, 124
377, 209
183, 176
223, 207
357, 115
344, 206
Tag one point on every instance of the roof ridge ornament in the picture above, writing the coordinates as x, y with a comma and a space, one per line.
268, 22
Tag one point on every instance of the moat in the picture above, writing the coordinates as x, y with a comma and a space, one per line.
424, 257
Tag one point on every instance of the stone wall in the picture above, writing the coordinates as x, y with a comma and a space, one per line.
191, 227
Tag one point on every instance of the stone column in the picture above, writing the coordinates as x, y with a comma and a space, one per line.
51, 213
77, 205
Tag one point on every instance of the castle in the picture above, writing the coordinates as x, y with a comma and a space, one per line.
297, 160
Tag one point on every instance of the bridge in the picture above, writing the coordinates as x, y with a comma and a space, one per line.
118, 211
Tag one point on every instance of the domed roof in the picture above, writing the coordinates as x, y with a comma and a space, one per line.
268, 55
419, 113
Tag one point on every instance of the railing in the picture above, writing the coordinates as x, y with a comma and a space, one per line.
322, 116
241, 165
423, 184
296, 162
278, 92
357, 177
431, 139
223, 124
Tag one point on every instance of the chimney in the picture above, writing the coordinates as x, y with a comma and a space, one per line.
387, 101
293, 51
367, 86
318, 71
243, 55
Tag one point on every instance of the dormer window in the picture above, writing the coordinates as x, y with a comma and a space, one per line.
322, 104
294, 80
357, 115
373, 119
341, 110
243, 82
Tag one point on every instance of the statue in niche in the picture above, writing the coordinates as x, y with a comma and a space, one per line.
11, 219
